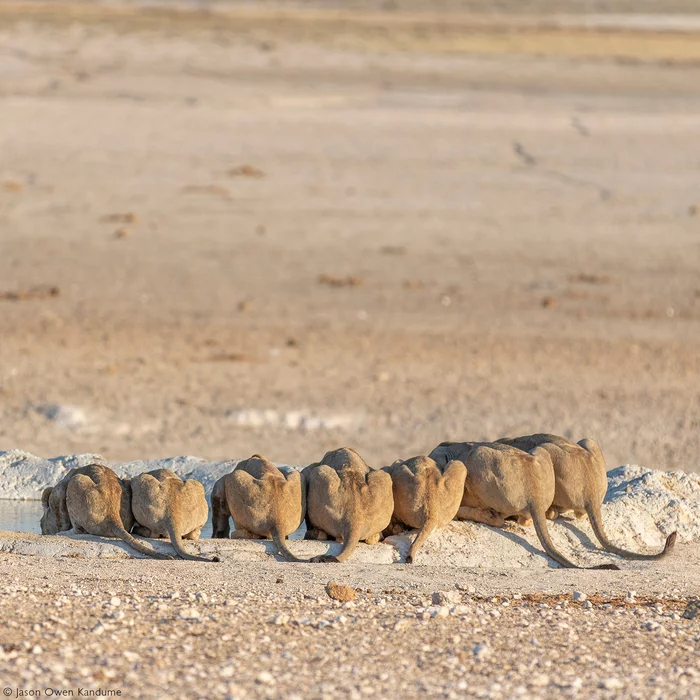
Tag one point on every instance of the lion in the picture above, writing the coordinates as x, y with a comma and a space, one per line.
346, 500
165, 506
94, 500
581, 482
425, 497
504, 482
264, 501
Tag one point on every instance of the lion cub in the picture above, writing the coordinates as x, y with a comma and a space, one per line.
504, 482
94, 500
263, 500
581, 482
346, 500
425, 496
165, 506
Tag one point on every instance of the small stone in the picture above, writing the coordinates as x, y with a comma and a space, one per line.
279, 580
651, 625
189, 614
265, 678
631, 596
281, 619
202, 597
341, 592
440, 611
587, 604
467, 588
692, 610
98, 629
115, 602
174, 595
36, 649
446, 598
579, 597
481, 651
540, 680
611, 684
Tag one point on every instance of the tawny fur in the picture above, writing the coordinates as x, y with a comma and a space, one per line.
94, 500
425, 497
348, 501
263, 500
504, 482
581, 482
165, 506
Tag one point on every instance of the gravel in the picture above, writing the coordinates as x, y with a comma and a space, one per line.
184, 629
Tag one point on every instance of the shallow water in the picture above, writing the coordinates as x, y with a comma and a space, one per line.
24, 516
20, 516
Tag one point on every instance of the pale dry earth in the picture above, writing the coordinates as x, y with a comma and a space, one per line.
454, 223
518, 236
179, 629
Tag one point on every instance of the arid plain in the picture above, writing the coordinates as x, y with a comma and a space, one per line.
284, 228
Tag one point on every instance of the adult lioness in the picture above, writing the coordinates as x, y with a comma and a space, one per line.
581, 484
263, 500
346, 500
94, 500
166, 506
425, 496
504, 482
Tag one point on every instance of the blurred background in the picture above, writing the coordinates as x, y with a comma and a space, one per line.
279, 227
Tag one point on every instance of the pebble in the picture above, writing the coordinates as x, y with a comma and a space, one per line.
341, 592
281, 619
481, 651
611, 684
540, 680
446, 597
115, 602
265, 678
579, 597
631, 596
189, 614
692, 610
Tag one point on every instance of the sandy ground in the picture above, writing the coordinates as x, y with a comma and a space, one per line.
268, 629
242, 231
429, 243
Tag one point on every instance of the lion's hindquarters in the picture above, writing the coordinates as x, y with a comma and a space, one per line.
290, 503
325, 509
450, 491
380, 504
410, 496
88, 507
250, 502
194, 509
148, 502
597, 475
